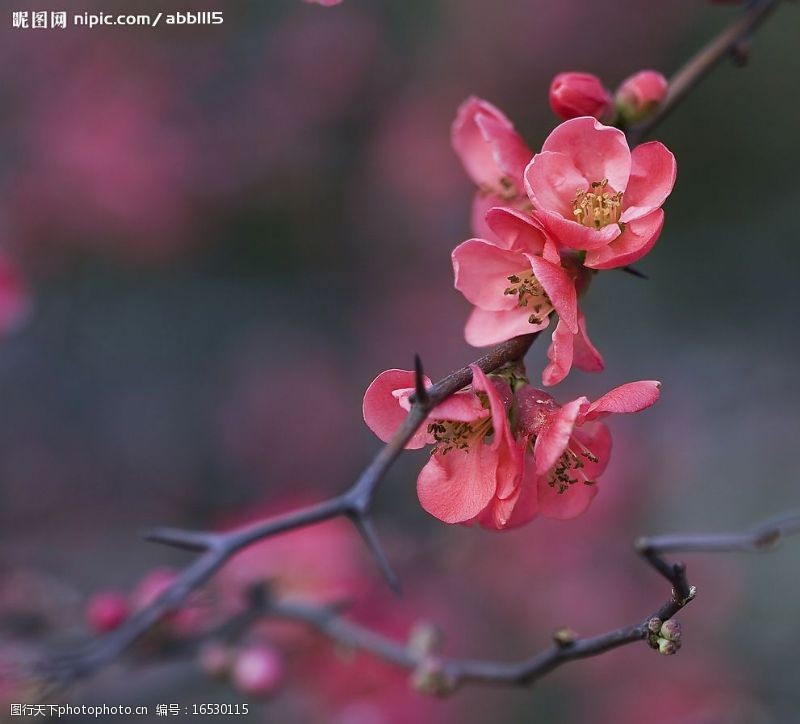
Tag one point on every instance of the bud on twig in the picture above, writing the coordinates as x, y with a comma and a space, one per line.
431, 677
580, 94
639, 96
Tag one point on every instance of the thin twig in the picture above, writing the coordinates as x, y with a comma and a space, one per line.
713, 53
216, 549
442, 675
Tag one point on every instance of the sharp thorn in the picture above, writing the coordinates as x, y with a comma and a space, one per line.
635, 272
367, 531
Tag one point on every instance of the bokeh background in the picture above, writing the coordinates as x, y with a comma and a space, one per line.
220, 235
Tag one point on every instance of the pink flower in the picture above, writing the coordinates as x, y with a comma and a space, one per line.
592, 193
516, 283
570, 447
494, 157
509, 456
467, 473
638, 96
106, 611
579, 94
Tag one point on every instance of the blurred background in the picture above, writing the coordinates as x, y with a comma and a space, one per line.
213, 238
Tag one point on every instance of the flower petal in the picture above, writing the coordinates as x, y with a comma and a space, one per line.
574, 235
554, 435
552, 182
516, 229
598, 152
559, 287
484, 328
569, 504
653, 172
382, 408
631, 397
457, 486
584, 354
482, 273
638, 238
560, 353
509, 452
487, 144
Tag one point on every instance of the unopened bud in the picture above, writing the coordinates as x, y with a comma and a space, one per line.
671, 630
431, 677
667, 647
640, 95
654, 625
580, 94
564, 636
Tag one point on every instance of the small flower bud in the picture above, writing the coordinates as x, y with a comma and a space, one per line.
106, 611
671, 630
654, 625
579, 94
640, 95
667, 647
564, 636
258, 670
430, 677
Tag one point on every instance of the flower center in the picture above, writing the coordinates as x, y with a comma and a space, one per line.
530, 293
453, 435
597, 207
568, 469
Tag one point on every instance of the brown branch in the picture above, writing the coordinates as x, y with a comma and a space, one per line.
442, 675
727, 43
216, 549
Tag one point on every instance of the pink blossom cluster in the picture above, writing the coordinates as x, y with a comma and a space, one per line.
545, 223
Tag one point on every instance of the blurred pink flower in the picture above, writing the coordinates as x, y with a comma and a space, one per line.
321, 563
579, 94
106, 611
592, 193
324, 3
638, 96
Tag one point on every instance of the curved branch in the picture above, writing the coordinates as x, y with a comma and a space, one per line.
216, 549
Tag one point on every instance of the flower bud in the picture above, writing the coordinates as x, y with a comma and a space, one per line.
640, 95
667, 647
654, 625
671, 630
258, 670
430, 677
106, 611
579, 94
